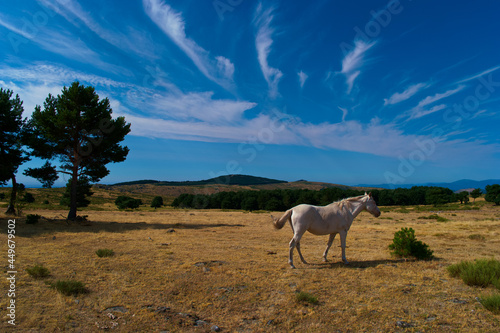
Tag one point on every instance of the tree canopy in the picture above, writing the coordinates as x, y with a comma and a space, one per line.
76, 129
12, 154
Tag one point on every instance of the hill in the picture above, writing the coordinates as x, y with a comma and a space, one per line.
458, 185
244, 180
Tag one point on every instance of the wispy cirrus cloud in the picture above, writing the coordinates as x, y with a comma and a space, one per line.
302, 78
422, 110
263, 42
353, 61
73, 12
219, 70
490, 70
58, 42
35, 82
406, 94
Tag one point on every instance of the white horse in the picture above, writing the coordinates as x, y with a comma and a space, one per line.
335, 218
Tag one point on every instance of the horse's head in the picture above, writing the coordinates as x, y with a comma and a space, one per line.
371, 206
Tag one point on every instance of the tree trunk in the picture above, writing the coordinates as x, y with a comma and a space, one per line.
11, 210
74, 186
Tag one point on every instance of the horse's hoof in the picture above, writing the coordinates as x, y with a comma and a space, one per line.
346, 262
292, 266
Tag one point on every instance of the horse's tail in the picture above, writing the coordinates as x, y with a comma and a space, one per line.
279, 223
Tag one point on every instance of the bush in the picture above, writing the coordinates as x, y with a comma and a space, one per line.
32, 218
493, 193
434, 217
304, 297
157, 202
101, 253
405, 244
28, 197
38, 271
123, 202
69, 287
479, 273
491, 302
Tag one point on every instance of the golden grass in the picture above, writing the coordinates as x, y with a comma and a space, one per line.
187, 270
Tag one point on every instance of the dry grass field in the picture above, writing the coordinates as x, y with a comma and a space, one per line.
193, 270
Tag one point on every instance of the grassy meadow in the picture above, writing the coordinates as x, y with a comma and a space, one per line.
177, 270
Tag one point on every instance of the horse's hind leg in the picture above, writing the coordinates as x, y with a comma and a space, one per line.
328, 245
300, 254
295, 242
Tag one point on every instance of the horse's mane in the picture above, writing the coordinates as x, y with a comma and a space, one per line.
343, 202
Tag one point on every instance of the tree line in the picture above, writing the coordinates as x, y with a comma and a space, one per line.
279, 199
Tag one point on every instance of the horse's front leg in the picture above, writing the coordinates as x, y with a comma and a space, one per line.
328, 245
343, 236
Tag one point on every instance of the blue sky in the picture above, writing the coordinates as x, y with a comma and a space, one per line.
346, 92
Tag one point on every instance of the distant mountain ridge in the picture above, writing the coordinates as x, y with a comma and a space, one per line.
463, 184
221, 180
247, 180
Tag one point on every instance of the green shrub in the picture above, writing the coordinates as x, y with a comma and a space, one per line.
491, 302
434, 217
157, 202
38, 271
28, 197
123, 202
104, 253
304, 297
32, 218
479, 273
405, 244
477, 237
69, 287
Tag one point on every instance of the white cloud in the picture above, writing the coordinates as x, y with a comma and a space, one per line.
134, 40
353, 61
263, 43
219, 70
431, 99
420, 110
199, 107
344, 113
302, 78
479, 75
406, 94
225, 67
60, 43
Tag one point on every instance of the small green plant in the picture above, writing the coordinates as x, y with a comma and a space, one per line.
38, 271
32, 218
434, 217
101, 253
69, 287
304, 297
405, 244
479, 273
491, 302
477, 237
